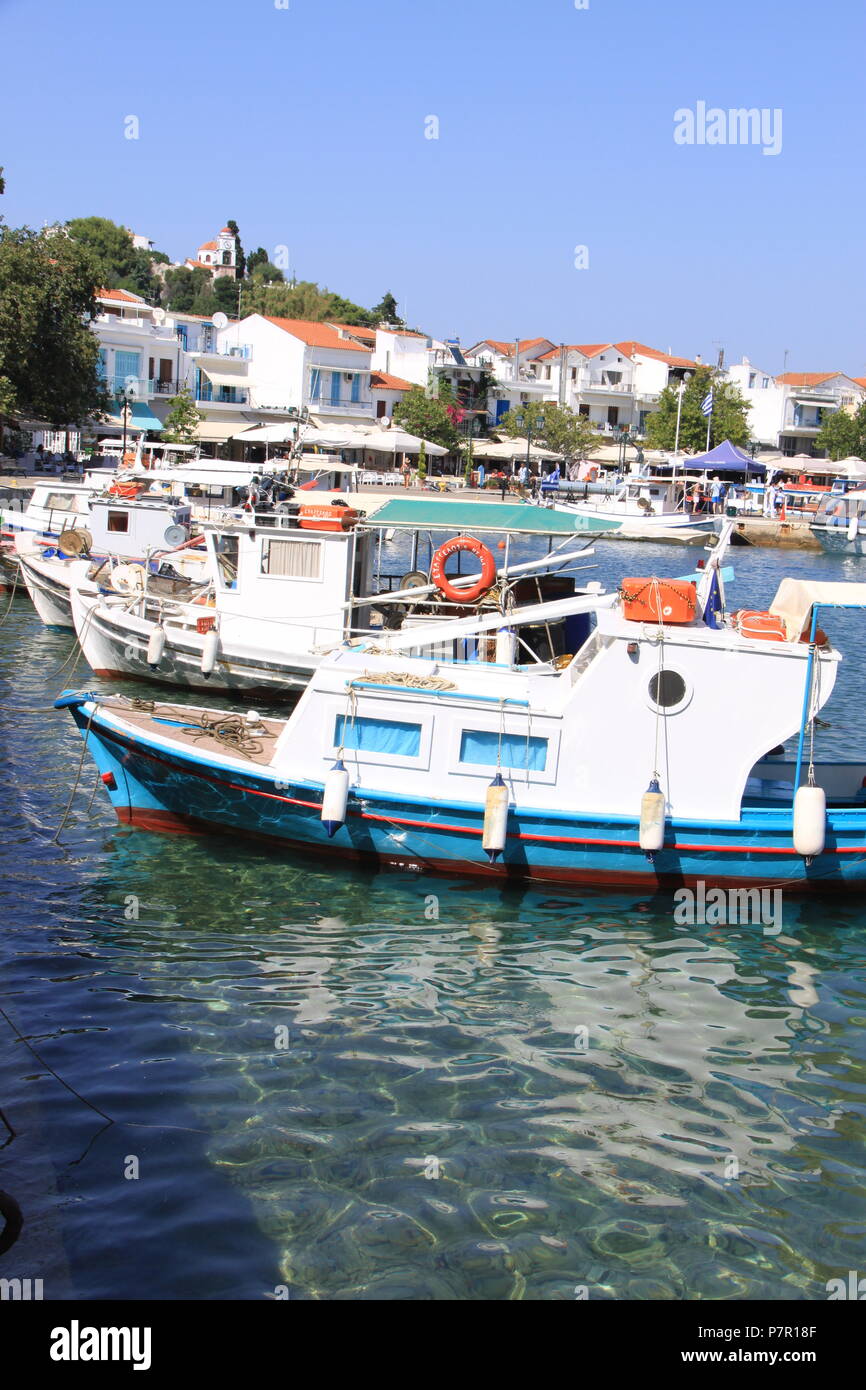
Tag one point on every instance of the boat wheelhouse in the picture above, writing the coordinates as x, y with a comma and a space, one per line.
285, 587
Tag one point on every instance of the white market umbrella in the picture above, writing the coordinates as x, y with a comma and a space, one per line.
396, 441
510, 449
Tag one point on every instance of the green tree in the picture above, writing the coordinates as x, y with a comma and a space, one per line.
240, 258
427, 415
843, 435
118, 264
49, 358
183, 286
386, 312
422, 462
556, 427
729, 419
181, 423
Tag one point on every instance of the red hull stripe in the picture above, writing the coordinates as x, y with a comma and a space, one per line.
471, 830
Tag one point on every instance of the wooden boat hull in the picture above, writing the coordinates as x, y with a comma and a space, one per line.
163, 783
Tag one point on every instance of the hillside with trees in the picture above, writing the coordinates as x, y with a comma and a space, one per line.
261, 286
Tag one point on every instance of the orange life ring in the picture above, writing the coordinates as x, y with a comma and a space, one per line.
444, 584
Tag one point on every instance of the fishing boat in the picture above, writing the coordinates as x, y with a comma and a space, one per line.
124, 537
489, 760
641, 508
286, 586
840, 523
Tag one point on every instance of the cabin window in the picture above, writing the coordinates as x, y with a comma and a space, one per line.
118, 521
227, 549
292, 559
61, 502
378, 736
481, 747
667, 688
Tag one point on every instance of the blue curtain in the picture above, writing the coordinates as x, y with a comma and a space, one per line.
378, 736
481, 747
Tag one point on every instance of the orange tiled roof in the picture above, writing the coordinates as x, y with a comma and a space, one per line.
368, 333
384, 381
316, 334
226, 231
588, 350
201, 265
632, 347
807, 378
120, 294
507, 349
208, 246
860, 380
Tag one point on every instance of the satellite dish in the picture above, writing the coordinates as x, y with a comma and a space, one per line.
385, 422
130, 386
174, 536
220, 320
159, 316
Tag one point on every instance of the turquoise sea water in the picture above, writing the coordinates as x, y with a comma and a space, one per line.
340, 1085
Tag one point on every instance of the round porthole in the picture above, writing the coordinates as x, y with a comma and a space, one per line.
667, 691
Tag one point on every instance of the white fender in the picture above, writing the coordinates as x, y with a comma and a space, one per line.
495, 818
652, 819
853, 528
335, 798
209, 651
156, 646
506, 644
810, 821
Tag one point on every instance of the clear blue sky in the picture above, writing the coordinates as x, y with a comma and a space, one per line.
306, 125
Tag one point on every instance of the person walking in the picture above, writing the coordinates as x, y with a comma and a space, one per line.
406, 471
503, 484
482, 476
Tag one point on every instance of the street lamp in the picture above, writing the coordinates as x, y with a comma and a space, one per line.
126, 399
681, 391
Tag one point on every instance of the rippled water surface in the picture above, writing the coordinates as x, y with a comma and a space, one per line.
353, 1086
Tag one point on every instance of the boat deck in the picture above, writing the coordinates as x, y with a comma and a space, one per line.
209, 730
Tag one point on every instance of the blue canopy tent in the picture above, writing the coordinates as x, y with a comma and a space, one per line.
726, 458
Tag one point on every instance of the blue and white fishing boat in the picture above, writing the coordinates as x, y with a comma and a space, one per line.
840, 523
488, 760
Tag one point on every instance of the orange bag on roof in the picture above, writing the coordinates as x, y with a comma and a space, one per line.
659, 600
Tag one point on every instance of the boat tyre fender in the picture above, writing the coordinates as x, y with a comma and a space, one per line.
471, 593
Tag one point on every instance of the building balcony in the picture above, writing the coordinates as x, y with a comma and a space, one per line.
242, 352
805, 427
112, 324
618, 388
142, 387
221, 395
331, 407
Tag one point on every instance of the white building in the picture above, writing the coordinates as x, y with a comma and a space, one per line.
150, 355
220, 257
614, 385
786, 412
293, 364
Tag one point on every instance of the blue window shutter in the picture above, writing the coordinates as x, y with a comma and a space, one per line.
480, 747
378, 736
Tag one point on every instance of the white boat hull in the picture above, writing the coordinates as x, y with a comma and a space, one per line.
115, 644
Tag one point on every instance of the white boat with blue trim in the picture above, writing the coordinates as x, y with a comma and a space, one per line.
579, 770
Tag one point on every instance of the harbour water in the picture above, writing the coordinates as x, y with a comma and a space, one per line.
255, 1076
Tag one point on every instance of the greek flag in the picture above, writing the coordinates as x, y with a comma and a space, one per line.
707, 403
